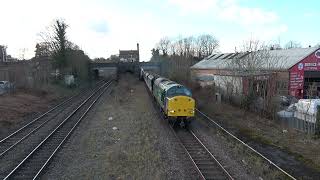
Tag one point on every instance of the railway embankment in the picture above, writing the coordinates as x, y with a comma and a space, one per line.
294, 151
23, 105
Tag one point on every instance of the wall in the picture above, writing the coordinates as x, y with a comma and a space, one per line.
282, 83
230, 87
26, 73
107, 72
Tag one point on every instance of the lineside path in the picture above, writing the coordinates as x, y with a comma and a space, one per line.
122, 138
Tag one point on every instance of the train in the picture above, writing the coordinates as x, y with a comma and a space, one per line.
175, 100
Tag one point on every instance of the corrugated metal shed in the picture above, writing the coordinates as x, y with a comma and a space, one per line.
280, 59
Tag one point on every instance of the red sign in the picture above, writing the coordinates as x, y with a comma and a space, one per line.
310, 63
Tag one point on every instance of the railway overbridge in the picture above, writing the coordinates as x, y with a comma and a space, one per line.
112, 69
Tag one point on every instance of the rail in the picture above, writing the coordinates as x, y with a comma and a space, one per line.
56, 131
246, 145
206, 164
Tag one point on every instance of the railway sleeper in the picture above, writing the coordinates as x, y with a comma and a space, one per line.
215, 176
198, 159
208, 169
205, 163
196, 150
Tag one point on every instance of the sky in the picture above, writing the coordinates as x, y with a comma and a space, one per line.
102, 27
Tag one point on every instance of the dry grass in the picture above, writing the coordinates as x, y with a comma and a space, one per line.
304, 147
134, 155
14, 107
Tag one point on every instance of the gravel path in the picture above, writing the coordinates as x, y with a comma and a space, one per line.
122, 138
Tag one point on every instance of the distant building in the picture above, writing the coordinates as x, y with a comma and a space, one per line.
3, 53
11, 59
129, 55
294, 72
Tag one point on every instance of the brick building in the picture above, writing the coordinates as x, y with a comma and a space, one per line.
129, 55
284, 72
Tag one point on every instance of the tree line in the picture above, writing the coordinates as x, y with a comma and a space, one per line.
67, 58
193, 46
201, 46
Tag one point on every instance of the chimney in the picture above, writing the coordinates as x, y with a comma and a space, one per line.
138, 52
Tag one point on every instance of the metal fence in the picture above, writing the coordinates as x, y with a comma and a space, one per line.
299, 124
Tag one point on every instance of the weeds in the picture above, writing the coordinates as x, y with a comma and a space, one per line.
251, 134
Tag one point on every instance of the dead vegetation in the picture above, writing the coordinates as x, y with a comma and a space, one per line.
262, 130
16, 107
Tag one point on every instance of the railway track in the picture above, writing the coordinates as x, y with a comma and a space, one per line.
26, 152
207, 166
13, 139
205, 163
288, 176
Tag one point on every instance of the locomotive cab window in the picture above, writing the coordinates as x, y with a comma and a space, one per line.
162, 96
178, 90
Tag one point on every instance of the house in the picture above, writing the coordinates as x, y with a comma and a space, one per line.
294, 72
129, 55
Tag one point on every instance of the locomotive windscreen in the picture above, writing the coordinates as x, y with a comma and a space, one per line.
178, 90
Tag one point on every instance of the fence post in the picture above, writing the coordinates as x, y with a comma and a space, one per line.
317, 131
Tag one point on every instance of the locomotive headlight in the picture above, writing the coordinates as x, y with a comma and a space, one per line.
191, 111
171, 111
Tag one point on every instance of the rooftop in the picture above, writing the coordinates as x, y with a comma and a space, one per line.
275, 59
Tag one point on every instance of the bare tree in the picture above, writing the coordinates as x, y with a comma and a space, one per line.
42, 49
292, 44
155, 55
180, 46
207, 44
258, 65
275, 47
164, 45
189, 46
22, 53
199, 46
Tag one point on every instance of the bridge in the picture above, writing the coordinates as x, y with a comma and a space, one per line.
112, 69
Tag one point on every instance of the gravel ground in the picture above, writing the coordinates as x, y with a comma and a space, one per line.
218, 146
122, 137
230, 154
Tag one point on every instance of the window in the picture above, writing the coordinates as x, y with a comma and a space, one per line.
178, 90
162, 95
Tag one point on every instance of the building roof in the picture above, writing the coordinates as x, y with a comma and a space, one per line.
276, 59
126, 52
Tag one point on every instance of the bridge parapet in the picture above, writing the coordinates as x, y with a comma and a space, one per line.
121, 67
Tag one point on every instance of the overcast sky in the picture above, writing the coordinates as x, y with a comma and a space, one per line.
102, 27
